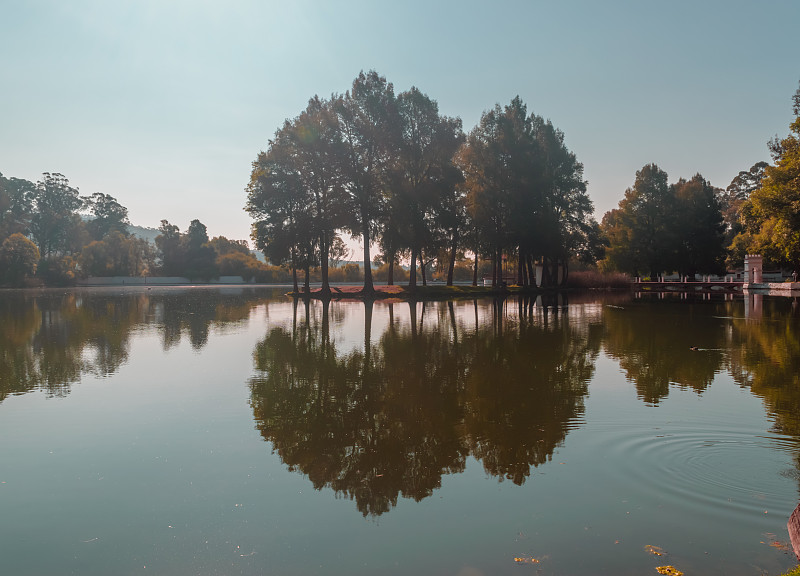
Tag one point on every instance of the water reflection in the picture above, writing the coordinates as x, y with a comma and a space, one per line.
380, 401
48, 340
765, 356
391, 417
659, 343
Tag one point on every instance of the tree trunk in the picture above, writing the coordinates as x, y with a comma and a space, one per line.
475, 270
422, 270
531, 269
324, 252
545, 273
412, 271
294, 271
520, 269
369, 288
390, 276
451, 267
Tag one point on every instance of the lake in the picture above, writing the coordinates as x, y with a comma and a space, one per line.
183, 431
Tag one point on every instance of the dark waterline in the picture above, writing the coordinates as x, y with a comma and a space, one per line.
233, 431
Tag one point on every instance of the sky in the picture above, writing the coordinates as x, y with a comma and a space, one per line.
164, 104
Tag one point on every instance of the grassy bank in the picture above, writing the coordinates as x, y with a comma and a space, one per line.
577, 281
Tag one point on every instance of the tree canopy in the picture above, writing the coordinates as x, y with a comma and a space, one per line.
660, 227
771, 215
392, 170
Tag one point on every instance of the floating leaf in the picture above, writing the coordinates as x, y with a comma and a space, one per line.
669, 571
654, 550
526, 560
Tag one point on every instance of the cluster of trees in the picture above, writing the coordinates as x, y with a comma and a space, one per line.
50, 233
691, 226
393, 171
662, 227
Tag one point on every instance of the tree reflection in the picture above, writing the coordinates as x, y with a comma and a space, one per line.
525, 388
658, 343
49, 340
765, 356
392, 417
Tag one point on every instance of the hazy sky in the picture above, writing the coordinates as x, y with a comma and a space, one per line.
164, 104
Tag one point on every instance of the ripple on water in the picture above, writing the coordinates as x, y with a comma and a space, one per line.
718, 470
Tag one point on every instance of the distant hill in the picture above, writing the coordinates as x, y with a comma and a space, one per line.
148, 234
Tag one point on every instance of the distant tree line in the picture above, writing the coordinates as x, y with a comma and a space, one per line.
51, 234
390, 169
692, 227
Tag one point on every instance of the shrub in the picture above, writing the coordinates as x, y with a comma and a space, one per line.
19, 258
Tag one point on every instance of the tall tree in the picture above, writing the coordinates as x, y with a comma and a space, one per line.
424, 178
55, 215
700, 228
16, 205
642, 231
200, 256
566, 227
108, 215
316, 145
281, 205
369, 124
484, 160
170, 250
525, 190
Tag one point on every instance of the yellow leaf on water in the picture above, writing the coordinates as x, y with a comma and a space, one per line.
669, 571
654, 550
526, 560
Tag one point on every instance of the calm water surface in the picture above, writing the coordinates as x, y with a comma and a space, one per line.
232, 431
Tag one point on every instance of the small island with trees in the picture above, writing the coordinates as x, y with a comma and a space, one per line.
506, 202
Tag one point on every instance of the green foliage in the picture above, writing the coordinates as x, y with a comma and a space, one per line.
109, 216
732, 199
771, 216
58, 270
117, 255
247, 266
19, 258
368, 118
55, 220
659, 227
641, 232
525, 191
424, 210
199, 256
223, 246
350, 272
170, 250
16, 205
699, 228
295, 191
